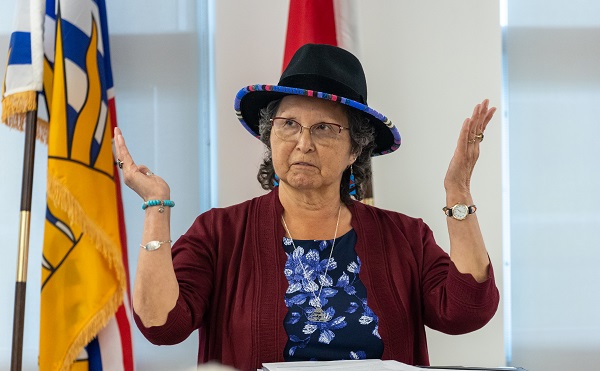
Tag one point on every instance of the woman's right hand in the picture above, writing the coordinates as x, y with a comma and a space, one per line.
138, 177
155, 290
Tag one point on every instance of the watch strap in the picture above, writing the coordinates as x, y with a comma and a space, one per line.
447, 210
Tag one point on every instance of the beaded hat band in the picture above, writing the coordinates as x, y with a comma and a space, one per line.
324, 72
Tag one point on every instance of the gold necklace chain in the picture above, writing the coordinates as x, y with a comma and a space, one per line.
318, 314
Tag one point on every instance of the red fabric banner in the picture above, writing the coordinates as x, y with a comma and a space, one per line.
309, 21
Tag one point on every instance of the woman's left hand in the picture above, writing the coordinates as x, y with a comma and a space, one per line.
458, 176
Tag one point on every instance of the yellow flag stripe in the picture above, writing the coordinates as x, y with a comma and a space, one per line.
88, 117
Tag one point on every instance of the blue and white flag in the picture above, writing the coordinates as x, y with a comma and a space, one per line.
25, 68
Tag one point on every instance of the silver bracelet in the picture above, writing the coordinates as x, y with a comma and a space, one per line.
153, 245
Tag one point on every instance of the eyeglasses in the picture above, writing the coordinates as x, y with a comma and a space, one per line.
290, 130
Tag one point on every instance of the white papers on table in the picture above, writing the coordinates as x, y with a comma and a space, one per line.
352, 365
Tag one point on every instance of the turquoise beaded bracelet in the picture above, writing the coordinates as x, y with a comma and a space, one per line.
161, 203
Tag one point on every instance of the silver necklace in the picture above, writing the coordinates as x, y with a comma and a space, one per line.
318, 315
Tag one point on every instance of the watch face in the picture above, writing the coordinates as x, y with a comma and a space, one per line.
460, 211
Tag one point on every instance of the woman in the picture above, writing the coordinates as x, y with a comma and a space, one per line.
306, 272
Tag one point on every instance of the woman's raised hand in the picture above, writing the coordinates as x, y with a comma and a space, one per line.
138, 177
458, 176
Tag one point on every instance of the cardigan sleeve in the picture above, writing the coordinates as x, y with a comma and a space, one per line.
193, 260
453, 302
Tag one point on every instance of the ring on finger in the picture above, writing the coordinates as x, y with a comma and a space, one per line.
149, 173
120, 164
479, 136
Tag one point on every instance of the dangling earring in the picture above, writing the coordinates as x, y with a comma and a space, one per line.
352, 188
275, 180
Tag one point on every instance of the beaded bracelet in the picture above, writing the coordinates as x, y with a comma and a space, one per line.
161, 203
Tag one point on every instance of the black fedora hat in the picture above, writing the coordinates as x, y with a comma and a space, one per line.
325, 72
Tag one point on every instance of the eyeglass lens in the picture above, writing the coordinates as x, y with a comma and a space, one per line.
288, 129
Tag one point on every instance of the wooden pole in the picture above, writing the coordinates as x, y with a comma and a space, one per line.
21, 283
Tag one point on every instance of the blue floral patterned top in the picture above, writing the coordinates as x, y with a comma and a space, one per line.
350, 328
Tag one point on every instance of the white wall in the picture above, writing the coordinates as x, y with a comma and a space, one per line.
552, 55
249, 41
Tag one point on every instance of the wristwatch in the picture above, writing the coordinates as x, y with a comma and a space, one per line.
153, 245
459, 211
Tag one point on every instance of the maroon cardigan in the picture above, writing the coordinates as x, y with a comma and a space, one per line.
230, 263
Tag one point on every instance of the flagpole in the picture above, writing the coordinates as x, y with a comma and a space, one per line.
25, 218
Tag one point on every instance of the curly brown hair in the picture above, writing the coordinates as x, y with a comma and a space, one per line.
362, 139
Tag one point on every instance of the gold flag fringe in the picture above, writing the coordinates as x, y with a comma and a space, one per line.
43, 128
18, 103
14, 113
97, 323
59, 193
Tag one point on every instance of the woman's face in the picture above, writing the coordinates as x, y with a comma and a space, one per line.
305, 163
